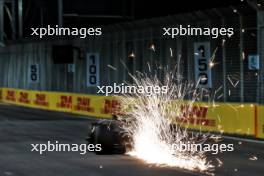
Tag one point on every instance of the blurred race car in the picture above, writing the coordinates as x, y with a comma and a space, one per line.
112, 137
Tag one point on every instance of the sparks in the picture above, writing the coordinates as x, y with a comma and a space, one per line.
171, 53
131, 55
152, 47
253, 158
233, 83
223, 42
112, 67
150, 124
211, 64
243, 55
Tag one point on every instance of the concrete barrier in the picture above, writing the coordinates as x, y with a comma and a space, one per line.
230, 118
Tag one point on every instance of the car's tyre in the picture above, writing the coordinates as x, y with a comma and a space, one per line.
90, 134
103, 135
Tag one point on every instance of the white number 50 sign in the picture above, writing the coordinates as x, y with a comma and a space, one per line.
33, 73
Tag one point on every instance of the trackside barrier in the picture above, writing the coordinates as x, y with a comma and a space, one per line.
221, 117
0, 94
260, 121
242, 119
90, 105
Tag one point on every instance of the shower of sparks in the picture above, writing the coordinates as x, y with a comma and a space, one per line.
220, 96
218, 118
152, 47
216, 138
112, 67
171, 53
243, 55
131, 55
149, 121
253, 158
223, 42
211, 64
214, 54
149, 67
220, 163
234, 83
219, 88
202, 78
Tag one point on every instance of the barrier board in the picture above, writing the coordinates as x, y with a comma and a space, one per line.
233, 118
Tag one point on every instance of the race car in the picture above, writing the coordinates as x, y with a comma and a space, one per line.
112, 137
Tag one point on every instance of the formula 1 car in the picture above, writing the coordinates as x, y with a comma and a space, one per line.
112, 137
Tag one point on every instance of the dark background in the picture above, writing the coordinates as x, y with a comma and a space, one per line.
127, 10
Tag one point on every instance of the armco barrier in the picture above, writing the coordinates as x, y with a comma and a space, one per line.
242, 119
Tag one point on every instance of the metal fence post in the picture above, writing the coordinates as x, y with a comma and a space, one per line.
1, 22
20, 18
260, 24
241, 48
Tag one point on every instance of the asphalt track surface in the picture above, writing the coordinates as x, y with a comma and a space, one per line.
20, 127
